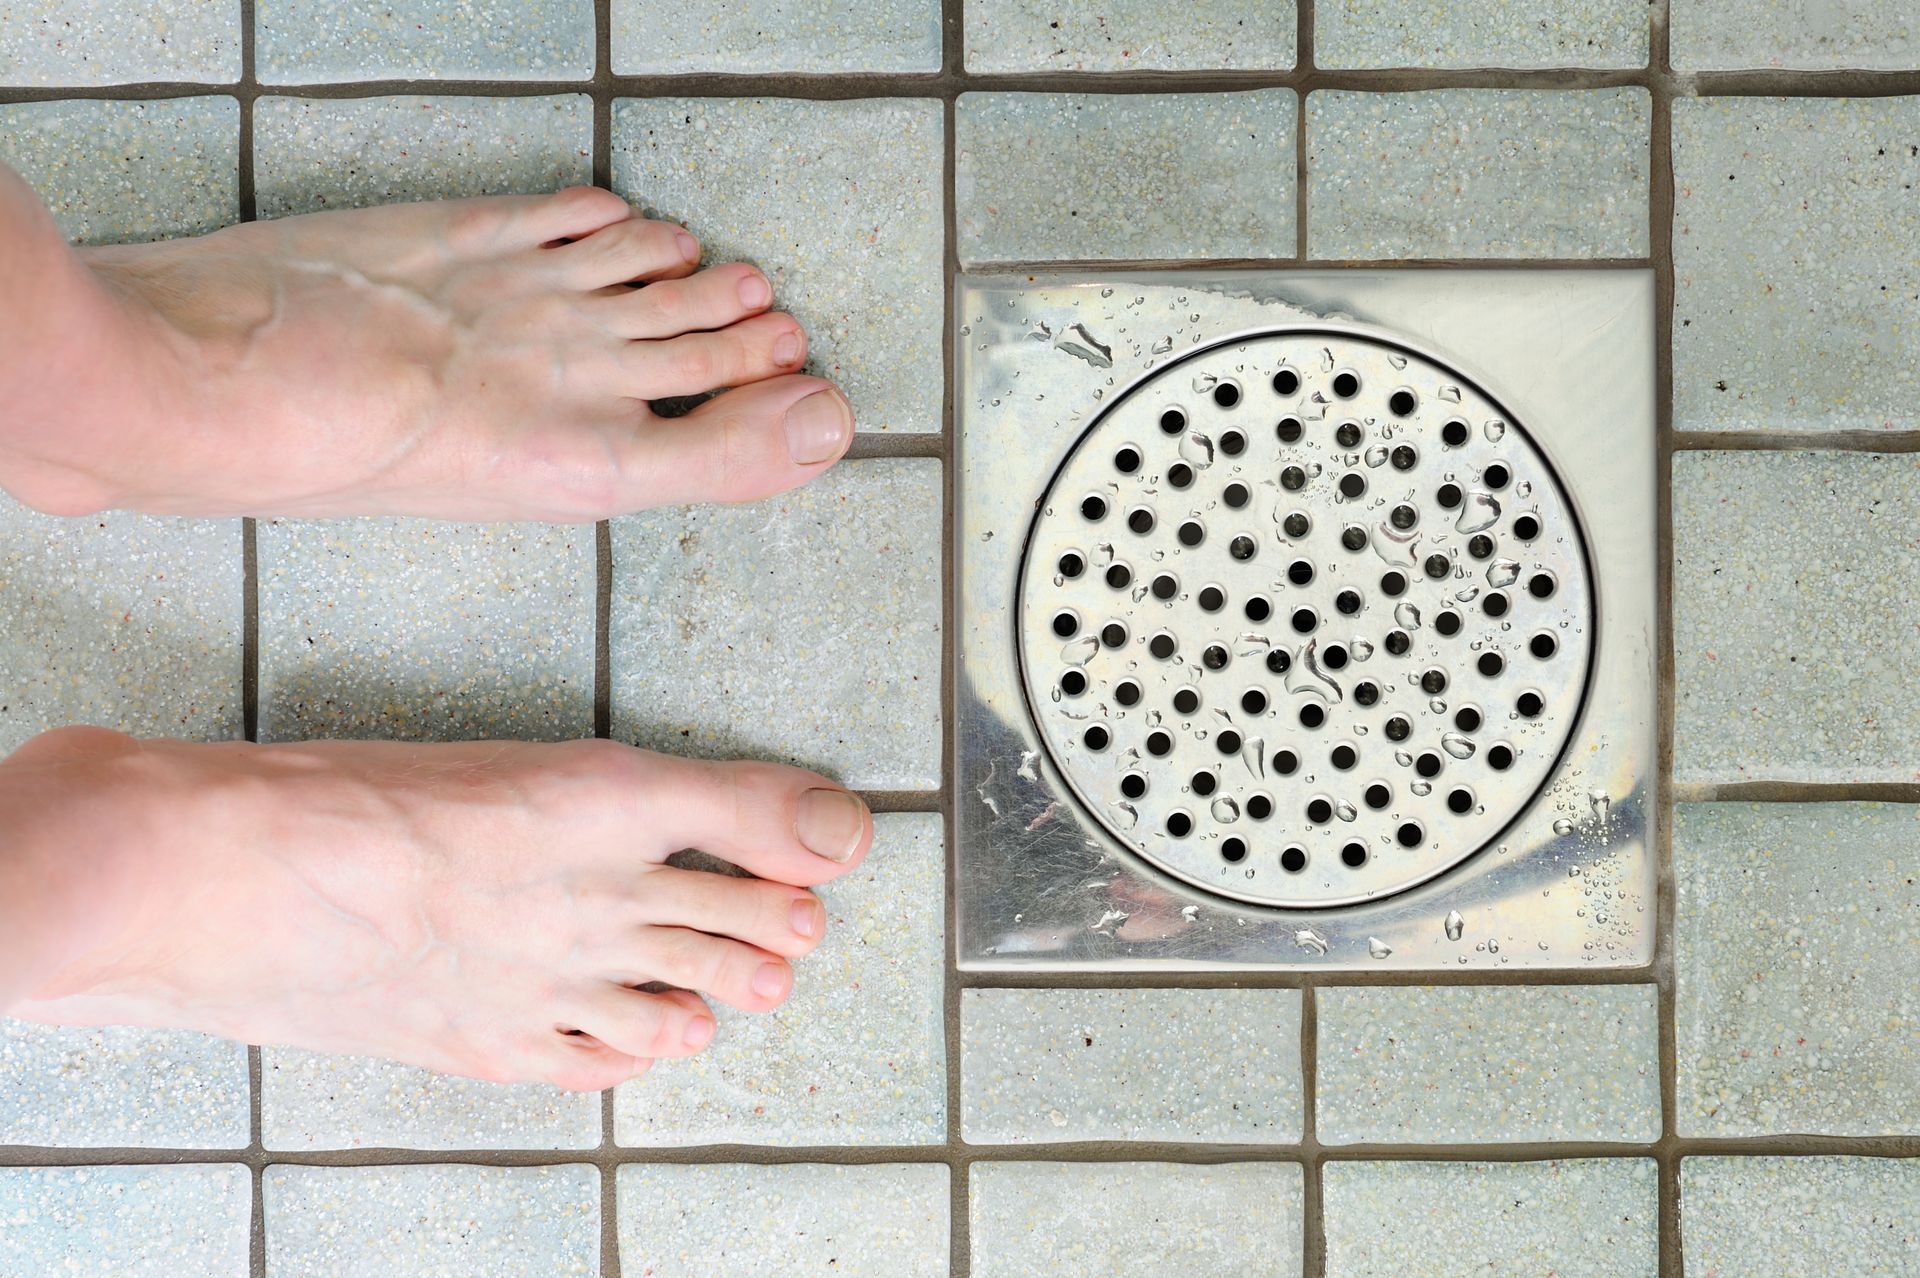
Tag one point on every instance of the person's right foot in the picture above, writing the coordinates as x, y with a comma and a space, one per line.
485, 909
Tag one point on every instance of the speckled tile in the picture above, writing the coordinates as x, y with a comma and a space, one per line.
804, 628
1527, 34
1590, 1218
1130, 35
310, 1100
838, 202
1224, 1220
312, 154
95, 42
1103, 177
130, 1222
121, 172
445, 1220
1796, 288
418, 630
857, 1054
1165, 1065
1469, 1065
1796, 940
1823, 1217
1738, 35
661, 37
1792, 616
298, 42
1479, 173
880, 1221
114, 1086
118, 620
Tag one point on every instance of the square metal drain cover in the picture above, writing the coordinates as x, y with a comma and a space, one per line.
1306, 619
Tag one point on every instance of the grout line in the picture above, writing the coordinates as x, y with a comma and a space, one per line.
1303, 56
1847, 441
1090, 265
1296, 978
1797, 792
1313, 1208
603, 629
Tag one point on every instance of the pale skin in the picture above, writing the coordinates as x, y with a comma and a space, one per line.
493, 909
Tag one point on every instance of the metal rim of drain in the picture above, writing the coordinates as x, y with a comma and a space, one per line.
1305, 619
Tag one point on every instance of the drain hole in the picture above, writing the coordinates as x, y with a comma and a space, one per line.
1286, 381
1094, 508
1448, 495
1259, 807
1162, 645
1438, 566
1113, 634
1214, 656
1334, 657
1354, 855
1296, 524
1467, 719
1278, 661
1233, 443
1289, 430
1166, 586
1305, 620
1293, 860
1127, 692
1286, 763
1159, 744
1229, 742
1397, 642
1119, 576
1242, 547
1348, 602
1410, 835
1526, 528
1427, 765
1542, 585
1403, 517
1204, 783
1543, 646
1353, 537
1186, 700
1447, 623
1480, 547
1133, 785
1258, 609
1495, 476
1353, 484
1460, 801
1319, 811
1312, 716
1236, 495
1393, 585
1500, 758
1140, 520
1173, 421
1073, 682
1454, 434
1496, 605
1127, 460
1366, 692
1344, 757
1300, 572
1378, 795
1529, 705
1402, 403
1399, 728
1293, 479
1253, 701
1180, 475
1066, 624
1433, 681
1226, 394
1212, 598
1179, 824
1096, 738
1234, 850
1405, 457
1071, 564
1346, 385
1491, 664
1348, 434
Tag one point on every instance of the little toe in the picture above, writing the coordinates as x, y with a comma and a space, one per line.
630, 251
582, 1063
777, 917
707, 300
733, 972
571, 214
752, 350
751, 442
781, 823
644, 1025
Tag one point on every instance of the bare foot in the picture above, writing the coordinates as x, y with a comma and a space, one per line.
482, 909
483, 359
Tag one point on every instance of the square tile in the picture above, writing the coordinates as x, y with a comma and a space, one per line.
881, 1221
422, 631
1480, 173
440, 1220
113, 1086
310, 1100
297, 42
311, 154
1130, 35
1794, 959
838, 202
1165, 1065
857, 1055
1736, 35
1482, 1064
1792, 602
1527, 34
1106, 177
121, 172
804, 628
94, 42
655, 37
122, 621
1801, 1217
1796, 290
131, 1222
1224, 1220
1591, 1218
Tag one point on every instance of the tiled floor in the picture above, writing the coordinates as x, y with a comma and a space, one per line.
1746, 1105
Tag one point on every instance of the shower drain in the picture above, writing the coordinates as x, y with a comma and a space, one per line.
1305, 619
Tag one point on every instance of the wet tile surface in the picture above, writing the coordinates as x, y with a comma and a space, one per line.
1478, 173
857, 1054
838, 202
1833, 1217
115, 1086
656, 37
1737, 35
1497, 33
310, 1100
1225, 1220
1160, 1065
444, 1221
1130, 35
131, 1222
1482, 1064
419, 630
1110, 177
121, 621
313, 154
1588, 1218
1795, 948
1792, 634
709, 658
881, 1221
92, 42
1795, 281
123, 172
302, 43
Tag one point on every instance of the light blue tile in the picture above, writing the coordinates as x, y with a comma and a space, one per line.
1801, 1217
838, 202
303, 43
117, 1086
130, 1222
1796, 287
656, 37
94, 42
1131, 35
119, 172
1479, 173
1113, 176
1527, 34
1736, 35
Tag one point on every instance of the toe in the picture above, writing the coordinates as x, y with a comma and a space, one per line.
634, 250
572, 214
644, 1025
737, 974
777, 917
710, 299
746, 444
582, 1063
781, 823
694, 363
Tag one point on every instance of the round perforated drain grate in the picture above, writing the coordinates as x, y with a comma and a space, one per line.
1305, 619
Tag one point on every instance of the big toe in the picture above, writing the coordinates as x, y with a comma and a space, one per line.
780, 823
751, 442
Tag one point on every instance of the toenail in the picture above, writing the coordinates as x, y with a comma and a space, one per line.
830, 823
770, 981
786, 348
808, 917
756, 292
699, 1032
818, 428
689, 247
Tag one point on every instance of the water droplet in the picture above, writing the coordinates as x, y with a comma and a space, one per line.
1204, 382
1081, 344
1377, 455
1162, 346
1378, 948
1478, 512
1493, 947
1449, 393
1254, 755
1225, 810
1502, 573
1080, 651
1252, 645
1403, 758
1457, 746
1455, 925
1523, 489
1494, 430
1198, 449
1040, 332
1406, 615
1563, 827
1468, 595
1326, 359
1308, 939
1602, 804
1126, 815
1421, 789
1345, 811
1360, 649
